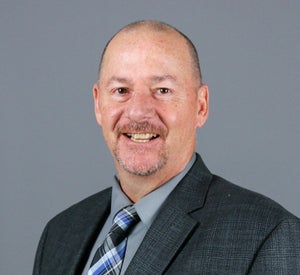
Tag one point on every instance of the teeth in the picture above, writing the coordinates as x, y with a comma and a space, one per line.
145, 137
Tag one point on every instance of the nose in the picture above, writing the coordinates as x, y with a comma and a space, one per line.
141, 106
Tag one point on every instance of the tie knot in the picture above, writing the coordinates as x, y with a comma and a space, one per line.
126, 218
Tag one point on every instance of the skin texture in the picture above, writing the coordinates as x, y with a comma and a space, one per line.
149, 104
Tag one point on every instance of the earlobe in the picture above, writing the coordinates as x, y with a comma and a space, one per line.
96, 103
203, 105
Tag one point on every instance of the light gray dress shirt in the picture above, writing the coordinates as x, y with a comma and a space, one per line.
147, 209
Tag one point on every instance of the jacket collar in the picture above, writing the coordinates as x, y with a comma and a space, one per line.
173, 225
92, 216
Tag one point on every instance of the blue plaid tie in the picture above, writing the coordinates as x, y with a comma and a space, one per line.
109, 256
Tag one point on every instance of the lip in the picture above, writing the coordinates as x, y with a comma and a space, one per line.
142, 137
139, 140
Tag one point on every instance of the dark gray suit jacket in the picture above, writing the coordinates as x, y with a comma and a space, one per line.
206, 226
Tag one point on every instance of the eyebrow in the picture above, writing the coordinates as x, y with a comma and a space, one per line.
161, 78
122, 80
153, 79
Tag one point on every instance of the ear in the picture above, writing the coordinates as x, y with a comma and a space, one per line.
96, 94
203, 105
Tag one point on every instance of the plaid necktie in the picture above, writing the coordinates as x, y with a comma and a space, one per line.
109, 256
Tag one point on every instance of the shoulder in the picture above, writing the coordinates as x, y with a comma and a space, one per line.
244, 208
88, 207
250, 225
71, 231
230, 200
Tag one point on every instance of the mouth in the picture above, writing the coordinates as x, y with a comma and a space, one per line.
141, 137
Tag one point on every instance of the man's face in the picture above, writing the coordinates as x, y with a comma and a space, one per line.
149, 103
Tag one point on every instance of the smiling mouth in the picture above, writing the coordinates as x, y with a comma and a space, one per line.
141, 137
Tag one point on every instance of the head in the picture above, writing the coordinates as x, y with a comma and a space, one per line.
150, 99
160, 27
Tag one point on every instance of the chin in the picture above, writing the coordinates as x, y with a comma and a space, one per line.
141, 167
143, 172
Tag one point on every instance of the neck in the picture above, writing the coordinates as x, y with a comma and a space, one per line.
136, 187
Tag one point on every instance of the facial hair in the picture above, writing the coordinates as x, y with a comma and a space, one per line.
141, 169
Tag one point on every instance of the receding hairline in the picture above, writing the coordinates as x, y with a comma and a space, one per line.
158, 26
149, 24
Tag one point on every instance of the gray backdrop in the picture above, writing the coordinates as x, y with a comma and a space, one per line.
52, 151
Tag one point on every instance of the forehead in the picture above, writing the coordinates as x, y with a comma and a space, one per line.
146, 44
144, 33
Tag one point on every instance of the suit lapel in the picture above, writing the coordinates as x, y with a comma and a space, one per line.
77, 238
91, 228
161, 243
173, 225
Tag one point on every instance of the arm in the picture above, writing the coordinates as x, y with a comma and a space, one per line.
39, 254
280, 252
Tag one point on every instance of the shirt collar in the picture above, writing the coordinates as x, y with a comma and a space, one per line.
147, 207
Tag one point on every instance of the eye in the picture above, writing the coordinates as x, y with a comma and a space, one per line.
163, 90
121, 91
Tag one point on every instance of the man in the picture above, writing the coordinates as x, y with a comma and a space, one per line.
149, 101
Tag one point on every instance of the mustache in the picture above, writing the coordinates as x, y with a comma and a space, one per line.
141, 127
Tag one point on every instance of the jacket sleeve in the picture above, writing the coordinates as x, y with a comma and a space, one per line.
39, 253
280, 251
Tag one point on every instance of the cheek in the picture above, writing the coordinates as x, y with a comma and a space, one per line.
183, 116
110, 115
109, 120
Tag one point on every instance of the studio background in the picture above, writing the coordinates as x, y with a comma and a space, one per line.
52, 151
